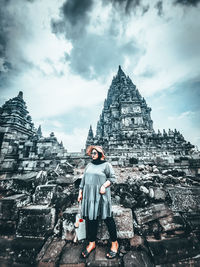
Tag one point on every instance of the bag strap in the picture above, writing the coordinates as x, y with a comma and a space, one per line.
79, 208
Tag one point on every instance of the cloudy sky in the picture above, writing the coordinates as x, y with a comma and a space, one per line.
63, 54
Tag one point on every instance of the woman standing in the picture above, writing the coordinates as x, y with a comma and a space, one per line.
96, 199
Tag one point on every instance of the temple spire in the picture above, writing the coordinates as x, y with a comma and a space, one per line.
39, 131
20, 95
90, 137
120, 72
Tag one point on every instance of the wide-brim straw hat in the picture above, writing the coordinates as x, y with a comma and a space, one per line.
98, 148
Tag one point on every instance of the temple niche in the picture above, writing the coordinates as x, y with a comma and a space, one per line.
125, 126
22, 146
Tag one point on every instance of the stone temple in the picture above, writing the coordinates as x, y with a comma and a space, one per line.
125, 126
22, 146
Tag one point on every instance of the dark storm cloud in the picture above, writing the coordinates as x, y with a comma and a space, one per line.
159, 7
9, 25
91, 51
5, 26
96, 56
187, 2
74, 18
127, 6
76, 10
13, 33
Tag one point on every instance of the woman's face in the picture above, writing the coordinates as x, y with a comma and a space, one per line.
94, 154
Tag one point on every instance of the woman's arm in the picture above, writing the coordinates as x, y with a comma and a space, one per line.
80, 195
111, 178
103, 187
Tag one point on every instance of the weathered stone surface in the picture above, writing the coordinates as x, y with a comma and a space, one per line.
7, 227
71, 256
52, 254
174, 249
193, 219
152, 212
124, 223
136, 241
18, 251
44, 248
172, 222
159, 194
36, 221
69, 217
9, 206
98, 258
25, 250
185, 199
6, 248
45, 194
193, 262
21, 183
137, 259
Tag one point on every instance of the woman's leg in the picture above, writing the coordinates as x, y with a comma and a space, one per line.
92, 226
111, 228
113, 236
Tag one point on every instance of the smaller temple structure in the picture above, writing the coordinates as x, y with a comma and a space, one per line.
125, 126
22, 146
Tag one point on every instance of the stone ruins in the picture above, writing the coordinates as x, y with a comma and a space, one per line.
156, 203
23, 148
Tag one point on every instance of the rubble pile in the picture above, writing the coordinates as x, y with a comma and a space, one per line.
157, 213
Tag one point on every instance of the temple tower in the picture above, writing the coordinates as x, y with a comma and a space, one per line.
90, 138
14, 115
125, 126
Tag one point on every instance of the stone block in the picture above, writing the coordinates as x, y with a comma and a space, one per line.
5, 248
185, 199
52, 254
124, 223
71, 256
20, 183
25, 250
69, 217
193, 262
137, 259
151, 213
159, 194
98, 258
193, 219
44, 248
173, 249
136, 241
9, 206
172, 222
7, 227
36, 221
18, 252
45, 194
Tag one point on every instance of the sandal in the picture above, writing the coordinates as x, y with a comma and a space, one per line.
112, 254
85, 254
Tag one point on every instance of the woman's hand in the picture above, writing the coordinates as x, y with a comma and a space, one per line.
102, 189
80, 195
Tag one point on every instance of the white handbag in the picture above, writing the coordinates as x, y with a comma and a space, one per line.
80, 225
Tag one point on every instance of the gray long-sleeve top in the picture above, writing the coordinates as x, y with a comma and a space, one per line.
95, 204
